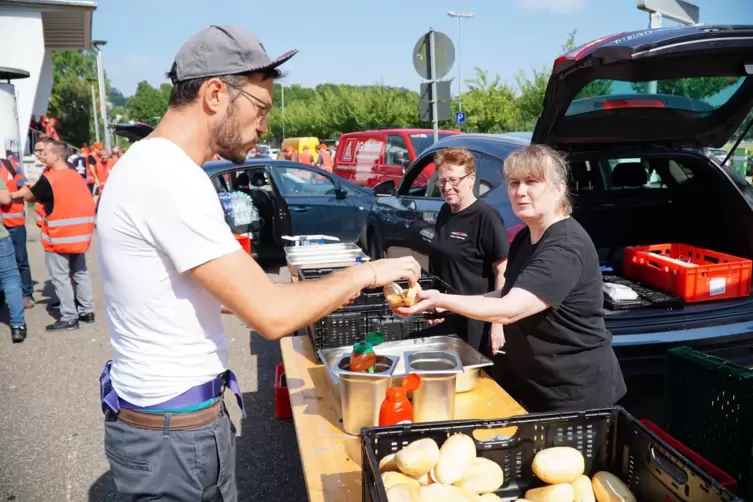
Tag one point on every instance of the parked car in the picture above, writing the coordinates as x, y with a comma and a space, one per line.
639, 175
292, 198
370, 157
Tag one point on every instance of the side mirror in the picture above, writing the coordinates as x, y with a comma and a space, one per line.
341, 193
386, 187
401, 159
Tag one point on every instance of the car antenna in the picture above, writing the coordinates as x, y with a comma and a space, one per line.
737, 143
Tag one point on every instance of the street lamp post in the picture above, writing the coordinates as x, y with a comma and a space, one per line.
460, 16
98, 44
282, 90
94, 110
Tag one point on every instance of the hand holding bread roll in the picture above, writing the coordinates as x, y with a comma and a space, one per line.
398, 297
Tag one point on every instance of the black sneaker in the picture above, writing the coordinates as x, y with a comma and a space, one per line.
87, 318
54, 306
18, 333
63, 326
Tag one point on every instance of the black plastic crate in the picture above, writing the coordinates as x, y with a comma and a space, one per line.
709, 408
307, 274
647, 297
610, 440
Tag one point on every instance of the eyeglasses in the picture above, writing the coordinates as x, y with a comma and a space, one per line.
453, 181
265, 106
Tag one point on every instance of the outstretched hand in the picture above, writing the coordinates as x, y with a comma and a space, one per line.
427, 299
389, 270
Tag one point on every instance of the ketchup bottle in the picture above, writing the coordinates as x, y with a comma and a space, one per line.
396, 408
363, 358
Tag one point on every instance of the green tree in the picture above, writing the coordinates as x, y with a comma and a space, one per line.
116, 98
148, 105
70, 99
695, 88
490, 104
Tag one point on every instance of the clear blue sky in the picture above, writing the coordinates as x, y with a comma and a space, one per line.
366, 42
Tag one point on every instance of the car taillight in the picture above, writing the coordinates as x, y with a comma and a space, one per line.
513, 231
580, 51
614, 104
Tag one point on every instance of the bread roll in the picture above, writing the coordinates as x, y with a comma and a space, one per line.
403, 493
490, 497
483, 476
562, 492
392, 478
609, 488
455, 458
388, 463
418, 457
560, 464
584, 492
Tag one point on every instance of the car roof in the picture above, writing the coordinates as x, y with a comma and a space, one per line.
484, 143
399, 130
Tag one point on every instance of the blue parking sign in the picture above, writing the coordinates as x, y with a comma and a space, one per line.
459, 117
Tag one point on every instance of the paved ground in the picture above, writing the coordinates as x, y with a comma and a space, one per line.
50, 420
51, 424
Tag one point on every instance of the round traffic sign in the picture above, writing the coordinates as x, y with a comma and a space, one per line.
444, 55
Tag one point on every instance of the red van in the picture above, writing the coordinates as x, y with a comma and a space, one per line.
369, 157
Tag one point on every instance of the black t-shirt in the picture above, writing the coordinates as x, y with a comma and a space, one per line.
462, 253
561, 358
42, 191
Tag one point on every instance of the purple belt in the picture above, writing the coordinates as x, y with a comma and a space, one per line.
191, 397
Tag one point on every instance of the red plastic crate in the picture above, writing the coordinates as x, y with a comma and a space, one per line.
694, 274
722, 477
282, 397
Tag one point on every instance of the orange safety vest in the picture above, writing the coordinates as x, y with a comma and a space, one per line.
70, 227
13, 214
305, 158
326, 160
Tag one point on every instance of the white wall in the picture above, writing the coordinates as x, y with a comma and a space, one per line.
22, 42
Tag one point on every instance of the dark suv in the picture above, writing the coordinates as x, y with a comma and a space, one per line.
638, 173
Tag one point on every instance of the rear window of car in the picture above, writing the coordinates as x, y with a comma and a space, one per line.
697, 95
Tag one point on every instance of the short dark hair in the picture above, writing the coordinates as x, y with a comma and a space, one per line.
59, 148
185, 92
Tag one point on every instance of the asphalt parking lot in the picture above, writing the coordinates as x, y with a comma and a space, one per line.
51, 426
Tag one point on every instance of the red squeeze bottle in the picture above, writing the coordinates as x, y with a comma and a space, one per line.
396, 408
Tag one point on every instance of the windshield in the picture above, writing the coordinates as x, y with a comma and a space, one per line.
422, 141
699, 95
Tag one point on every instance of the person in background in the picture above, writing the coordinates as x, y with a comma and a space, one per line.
168, 262
305, 157
50, 128
14, 221
10, 279
117, 152
105, 164
66, 232
559, 354
90, 166
470, 245
325, 159
289, 154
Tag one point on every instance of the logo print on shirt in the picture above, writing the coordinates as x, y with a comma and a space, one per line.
461, 236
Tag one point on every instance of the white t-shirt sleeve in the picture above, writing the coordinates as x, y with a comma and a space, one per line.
187, 223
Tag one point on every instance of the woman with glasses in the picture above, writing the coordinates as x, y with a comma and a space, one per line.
469, 247
559, 353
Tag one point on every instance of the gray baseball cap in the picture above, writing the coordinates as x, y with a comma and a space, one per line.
222, 50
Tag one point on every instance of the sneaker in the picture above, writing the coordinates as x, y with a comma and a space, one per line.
28, 303
63, 326
18, 333
87, 318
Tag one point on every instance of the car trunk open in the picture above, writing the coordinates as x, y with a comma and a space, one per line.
602, 93
645, 197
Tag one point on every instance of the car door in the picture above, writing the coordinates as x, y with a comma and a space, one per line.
315, 203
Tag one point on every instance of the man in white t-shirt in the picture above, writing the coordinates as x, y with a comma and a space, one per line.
168, 261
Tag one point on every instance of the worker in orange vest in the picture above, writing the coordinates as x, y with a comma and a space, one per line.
66, 233
305, 157
50, 128
14, 221
325, 159
289, 154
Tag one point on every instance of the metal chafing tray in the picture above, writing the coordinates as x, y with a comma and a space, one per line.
324, 255
471, 359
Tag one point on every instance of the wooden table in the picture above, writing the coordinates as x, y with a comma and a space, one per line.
331, 458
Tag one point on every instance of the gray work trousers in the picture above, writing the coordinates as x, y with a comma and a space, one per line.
63, 267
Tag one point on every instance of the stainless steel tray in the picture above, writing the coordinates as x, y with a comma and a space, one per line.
332, 258
321, 248
471, 359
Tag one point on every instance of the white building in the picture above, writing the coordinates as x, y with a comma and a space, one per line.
29, 31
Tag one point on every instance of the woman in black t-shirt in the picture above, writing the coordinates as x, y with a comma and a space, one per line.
470, 244
559, 353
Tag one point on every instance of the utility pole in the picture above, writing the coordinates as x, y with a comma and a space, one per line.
460, 16
98, 44
94, 111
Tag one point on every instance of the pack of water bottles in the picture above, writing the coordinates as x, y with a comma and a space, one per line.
239, 207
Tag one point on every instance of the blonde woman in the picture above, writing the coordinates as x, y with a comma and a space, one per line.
559, 353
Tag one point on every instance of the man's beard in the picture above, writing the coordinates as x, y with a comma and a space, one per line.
227, 138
